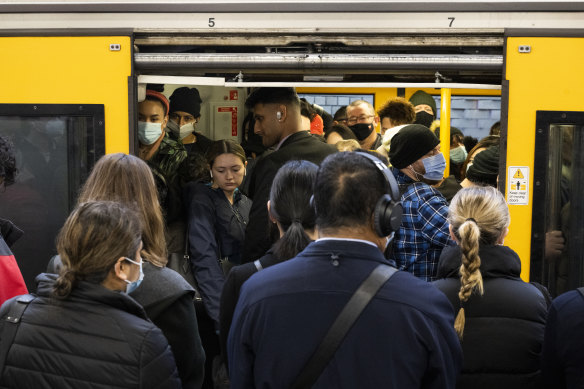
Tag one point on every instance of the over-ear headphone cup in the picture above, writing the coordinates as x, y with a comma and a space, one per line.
387, 216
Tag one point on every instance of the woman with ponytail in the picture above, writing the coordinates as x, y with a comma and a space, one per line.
166, 297
290, 209
500, 319
83, 329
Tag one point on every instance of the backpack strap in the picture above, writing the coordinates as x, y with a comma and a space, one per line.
11, 323
341, 326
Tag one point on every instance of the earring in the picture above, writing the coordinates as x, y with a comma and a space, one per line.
211, 173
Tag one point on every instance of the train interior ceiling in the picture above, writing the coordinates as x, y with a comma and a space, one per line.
461, 57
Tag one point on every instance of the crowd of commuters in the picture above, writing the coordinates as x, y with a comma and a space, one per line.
306, 265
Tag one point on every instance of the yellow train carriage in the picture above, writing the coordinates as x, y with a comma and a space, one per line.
72, 73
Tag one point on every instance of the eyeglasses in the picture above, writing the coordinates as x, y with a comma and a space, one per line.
360, 119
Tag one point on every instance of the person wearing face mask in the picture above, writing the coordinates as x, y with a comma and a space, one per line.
168, 161
81, 328
425, 108
184, 115
166, 297
417, 165
361, 119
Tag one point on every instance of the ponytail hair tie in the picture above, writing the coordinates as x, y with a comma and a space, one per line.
296, 220
470, 219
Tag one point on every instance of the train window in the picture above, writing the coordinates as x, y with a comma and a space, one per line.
473, 115
55, 148
332, 102
557, 258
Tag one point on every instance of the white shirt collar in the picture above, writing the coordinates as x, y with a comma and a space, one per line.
349, 240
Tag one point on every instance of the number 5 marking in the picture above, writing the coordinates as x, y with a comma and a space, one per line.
212, 22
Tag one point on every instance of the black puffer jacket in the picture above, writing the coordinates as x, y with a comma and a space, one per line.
168, 301
504, 328
95, 338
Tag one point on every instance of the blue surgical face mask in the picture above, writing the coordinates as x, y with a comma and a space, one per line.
434, 166
148, 133
132, 285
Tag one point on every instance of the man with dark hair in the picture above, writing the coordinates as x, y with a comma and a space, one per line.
277, 120
340, 116
337, 133
11, 281
395, 114
184, 114
417, 165
361, 119
284, 311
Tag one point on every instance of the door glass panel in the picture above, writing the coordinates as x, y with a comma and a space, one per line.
53, 157
559, 216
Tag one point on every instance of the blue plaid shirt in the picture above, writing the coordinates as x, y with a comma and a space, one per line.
424, 229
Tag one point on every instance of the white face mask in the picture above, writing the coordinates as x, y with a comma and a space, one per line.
148, 133
186, 130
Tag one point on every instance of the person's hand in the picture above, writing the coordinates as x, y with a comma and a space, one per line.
554, 245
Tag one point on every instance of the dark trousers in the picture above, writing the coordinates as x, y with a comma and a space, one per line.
210, 341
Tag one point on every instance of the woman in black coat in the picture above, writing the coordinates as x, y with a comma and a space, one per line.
500, 318
218, 214
166, 297
82, 329
289, 208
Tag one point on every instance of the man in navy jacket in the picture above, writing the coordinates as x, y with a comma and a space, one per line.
403, 339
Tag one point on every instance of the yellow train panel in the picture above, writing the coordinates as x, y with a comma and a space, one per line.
547, 78
71, 70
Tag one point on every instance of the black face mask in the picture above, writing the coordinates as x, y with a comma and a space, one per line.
362, 130
424, 118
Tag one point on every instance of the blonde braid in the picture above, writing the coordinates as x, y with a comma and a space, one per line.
470, 274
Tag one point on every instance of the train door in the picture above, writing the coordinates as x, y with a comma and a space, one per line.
64, 103
542, 130
558, 227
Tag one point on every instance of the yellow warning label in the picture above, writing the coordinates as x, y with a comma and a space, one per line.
518, 174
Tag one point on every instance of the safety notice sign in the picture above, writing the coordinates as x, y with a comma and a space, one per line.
518, 185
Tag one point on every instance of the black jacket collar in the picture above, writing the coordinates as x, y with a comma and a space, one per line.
91, 292
496, 261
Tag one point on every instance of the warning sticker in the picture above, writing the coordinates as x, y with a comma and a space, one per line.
518, 185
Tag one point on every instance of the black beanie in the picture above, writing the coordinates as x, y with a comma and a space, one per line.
421, 97
411, 143
485, 167
186, 100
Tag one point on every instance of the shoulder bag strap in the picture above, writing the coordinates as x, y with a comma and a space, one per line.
11, 323
343, 323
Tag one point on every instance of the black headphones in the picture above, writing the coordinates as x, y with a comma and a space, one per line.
388, 210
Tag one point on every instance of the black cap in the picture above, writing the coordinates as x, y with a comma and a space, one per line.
485, 167
186, 100
411, 143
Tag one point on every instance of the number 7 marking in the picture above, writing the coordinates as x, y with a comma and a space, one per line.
451, 21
